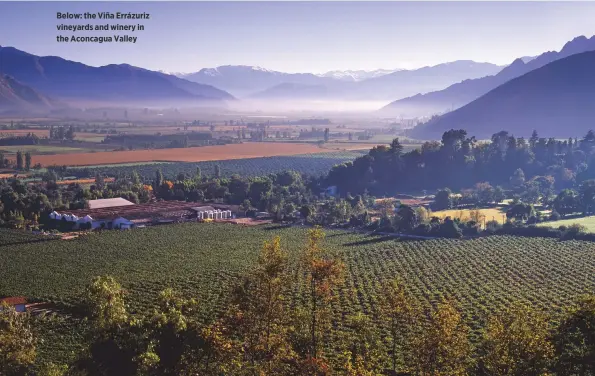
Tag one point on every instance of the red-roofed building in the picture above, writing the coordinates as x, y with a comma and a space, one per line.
18, 302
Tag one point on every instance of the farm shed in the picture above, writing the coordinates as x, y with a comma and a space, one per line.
18, 302
122, 223
109, 203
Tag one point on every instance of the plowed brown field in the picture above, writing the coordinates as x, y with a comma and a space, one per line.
198, 154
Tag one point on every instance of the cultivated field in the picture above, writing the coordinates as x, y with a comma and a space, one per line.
312, 164
198, 154
483, 274
496, 214
588, 222
43, 149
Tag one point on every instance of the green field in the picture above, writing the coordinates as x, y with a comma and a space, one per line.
482, 274
588, 222
314, 164
43, 149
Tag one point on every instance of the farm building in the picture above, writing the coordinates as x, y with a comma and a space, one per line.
209, 212
130, 216
108, 203
18, 302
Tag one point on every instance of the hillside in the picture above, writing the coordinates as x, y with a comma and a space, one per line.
71, 80
15, 96
265, 83
466, 91
557, 100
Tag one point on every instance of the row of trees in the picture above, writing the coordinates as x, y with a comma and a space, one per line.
460, 161
263, 333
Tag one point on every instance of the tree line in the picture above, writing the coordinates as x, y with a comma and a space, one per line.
459, 161
262, 333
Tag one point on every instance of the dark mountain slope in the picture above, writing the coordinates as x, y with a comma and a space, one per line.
558, 100
76, 81
464, 92
14, 96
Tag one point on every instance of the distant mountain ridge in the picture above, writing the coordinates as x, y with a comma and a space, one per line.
16, 96
249, 81
357, 75
558, 100
73, 81
466, 91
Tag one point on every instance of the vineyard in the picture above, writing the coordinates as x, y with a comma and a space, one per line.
315, 164
483, 274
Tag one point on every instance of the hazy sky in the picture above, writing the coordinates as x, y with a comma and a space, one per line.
306, 36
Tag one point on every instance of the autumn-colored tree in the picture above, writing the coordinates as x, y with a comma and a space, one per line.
261, 318
400, 312
364, 346
476, 216
442, 348
53, 369
516, 343
324, 272
574, 340
386, 207
17, 342
356, 367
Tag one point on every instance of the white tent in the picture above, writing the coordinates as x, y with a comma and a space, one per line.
55, 215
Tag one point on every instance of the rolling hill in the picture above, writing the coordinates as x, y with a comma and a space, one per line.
464, 92
73, 81
557, 99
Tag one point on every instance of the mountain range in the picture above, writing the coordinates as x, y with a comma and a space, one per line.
357, 75
75, 82
257, 82
464, 92
557, 100
15, 96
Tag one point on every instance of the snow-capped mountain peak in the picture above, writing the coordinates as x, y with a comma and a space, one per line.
357, 75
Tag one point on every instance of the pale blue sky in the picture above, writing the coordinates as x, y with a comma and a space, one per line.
307, 37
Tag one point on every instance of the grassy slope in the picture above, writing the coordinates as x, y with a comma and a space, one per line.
483, 274
588, 222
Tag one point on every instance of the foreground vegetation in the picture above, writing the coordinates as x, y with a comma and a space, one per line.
482, 277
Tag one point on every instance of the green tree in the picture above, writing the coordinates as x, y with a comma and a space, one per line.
406, 218
518, 178
17, 342
587, 196
105, 301
567, 202
499, 194
19, 160
27, 161
574, 340
443, 200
